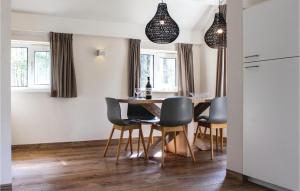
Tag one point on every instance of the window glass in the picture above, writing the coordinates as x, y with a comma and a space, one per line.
147, 61
42, 67
165, 73
19, 67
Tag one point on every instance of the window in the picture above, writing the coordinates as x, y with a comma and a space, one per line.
161, 67
30, 65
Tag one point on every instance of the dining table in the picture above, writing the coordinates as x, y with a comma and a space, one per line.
154, 107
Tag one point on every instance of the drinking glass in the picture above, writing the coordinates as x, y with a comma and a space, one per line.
137, 92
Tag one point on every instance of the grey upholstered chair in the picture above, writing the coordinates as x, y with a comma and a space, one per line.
176, 114
139, 114
114, 116
217, 119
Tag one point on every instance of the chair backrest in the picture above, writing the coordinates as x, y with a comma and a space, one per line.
218, 110
176, 111
136, 111
113, 111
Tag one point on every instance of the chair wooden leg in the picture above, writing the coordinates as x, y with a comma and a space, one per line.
175, 144
108, 142
222, 140
143, 143
200, 131
150, 138
195, 137
138, 148
217, 139
189, 146
130, 140
211, 145
120, 144
126, 147
163, 149
205, 130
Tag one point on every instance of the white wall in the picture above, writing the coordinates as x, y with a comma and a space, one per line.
5, 133
208, 68
235, 86
249, 3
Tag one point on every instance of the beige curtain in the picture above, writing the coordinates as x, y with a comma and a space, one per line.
63, 79
134, 65
221, 78
186, 69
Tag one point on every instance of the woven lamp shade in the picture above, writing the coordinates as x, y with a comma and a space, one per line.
215, 37
162, 29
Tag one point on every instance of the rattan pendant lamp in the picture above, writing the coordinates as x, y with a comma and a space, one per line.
215, 37
162, 29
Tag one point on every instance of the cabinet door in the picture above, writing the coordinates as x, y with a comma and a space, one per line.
271, 30
271, 128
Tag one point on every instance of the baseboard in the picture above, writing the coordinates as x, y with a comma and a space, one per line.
243, 178
266, 185
60, 145
76, 144
6, 187
236, 175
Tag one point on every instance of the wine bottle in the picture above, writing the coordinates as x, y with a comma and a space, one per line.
148, 89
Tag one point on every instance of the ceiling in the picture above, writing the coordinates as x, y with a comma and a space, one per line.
187, 13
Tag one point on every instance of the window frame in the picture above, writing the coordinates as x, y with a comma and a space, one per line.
32, 47
157, 54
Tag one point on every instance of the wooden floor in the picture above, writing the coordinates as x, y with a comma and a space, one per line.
84, 169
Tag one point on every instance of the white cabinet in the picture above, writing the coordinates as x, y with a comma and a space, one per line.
271, 30
271, 126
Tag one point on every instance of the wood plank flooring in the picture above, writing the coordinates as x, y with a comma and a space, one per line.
84, 169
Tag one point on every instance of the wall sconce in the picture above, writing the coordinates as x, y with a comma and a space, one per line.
100, 52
